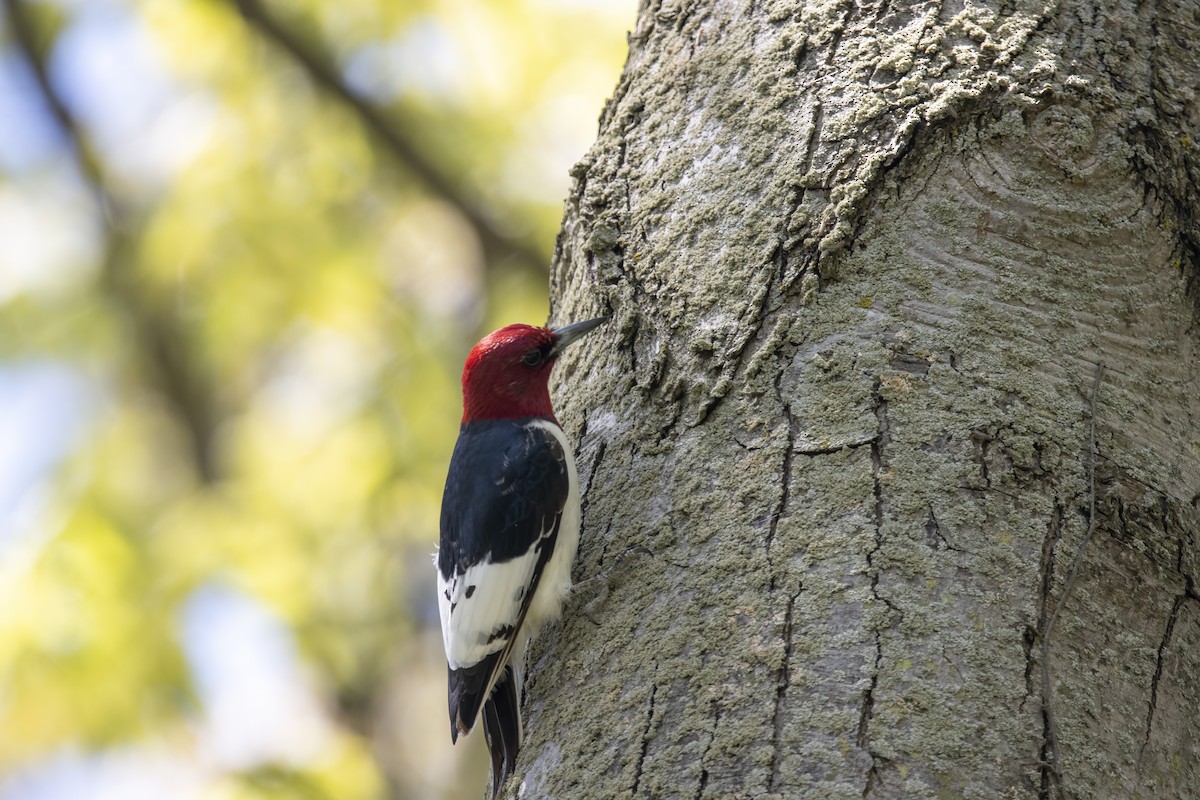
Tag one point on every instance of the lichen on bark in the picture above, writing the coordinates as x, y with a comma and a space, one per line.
862, 262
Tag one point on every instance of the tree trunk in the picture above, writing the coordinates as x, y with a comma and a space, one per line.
876, 271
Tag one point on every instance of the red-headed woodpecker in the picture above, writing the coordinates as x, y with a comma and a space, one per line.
510, 529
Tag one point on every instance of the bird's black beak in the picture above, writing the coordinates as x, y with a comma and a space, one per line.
564, 336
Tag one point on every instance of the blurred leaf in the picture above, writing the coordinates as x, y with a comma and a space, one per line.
326, 298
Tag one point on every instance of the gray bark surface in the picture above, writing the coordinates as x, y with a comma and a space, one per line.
864, 261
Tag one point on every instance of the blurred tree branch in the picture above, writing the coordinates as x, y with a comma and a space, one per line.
158, 337
319, 65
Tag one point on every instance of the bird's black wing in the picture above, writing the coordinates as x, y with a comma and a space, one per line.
505, 493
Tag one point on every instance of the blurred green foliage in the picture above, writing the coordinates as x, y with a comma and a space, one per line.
270, 313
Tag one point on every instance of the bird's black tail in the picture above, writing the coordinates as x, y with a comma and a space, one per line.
502, 728
467, 686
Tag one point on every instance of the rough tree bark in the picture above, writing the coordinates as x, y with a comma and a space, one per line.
865, 261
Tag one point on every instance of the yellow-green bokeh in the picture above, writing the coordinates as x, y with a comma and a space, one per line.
323, 298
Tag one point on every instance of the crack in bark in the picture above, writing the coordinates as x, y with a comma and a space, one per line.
836, 42
604, 542
982, 441
878, 465
1028, 637
810, 154
863, 737
703, 781
1045, 754
637, 774
786, 480
1050, 760
785, 676
1046, 585
755, 322
635, 327
934, 534
676, 404
814, 137
1189, 593
759, 316
657, 365
601, 448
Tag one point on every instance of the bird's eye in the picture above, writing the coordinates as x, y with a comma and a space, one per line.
532, 358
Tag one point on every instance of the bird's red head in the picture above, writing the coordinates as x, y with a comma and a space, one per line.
506, 375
